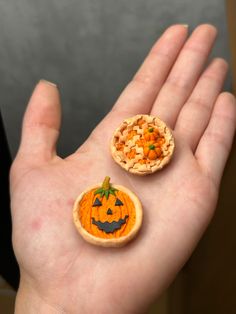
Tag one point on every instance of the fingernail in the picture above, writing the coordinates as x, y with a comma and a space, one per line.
185, 25
48, 82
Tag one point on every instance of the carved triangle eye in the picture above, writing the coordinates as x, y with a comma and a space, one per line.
118, 202
97, 202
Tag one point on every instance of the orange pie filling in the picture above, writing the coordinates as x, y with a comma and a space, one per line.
149, 140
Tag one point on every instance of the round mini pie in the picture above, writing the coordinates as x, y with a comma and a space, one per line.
142, 144
107, 215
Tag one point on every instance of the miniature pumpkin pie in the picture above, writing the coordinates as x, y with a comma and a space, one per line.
142, 144
107, 215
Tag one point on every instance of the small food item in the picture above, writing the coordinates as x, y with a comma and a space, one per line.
152, 151
142, 144
107, 215
150, 134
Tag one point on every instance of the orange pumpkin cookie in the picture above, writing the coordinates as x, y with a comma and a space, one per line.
142, 144
107, 215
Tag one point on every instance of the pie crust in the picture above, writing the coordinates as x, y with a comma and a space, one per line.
111, 242
128, 144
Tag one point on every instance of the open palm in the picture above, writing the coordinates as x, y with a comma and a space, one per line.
60, 272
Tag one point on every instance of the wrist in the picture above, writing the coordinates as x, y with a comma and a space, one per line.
29, 301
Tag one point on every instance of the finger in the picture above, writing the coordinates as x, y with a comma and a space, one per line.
184, 74
215, 144
141, 92
41, 123
195, 114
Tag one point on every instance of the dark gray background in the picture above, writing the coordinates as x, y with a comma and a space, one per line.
90, 48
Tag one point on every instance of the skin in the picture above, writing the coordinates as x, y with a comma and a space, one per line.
60, 272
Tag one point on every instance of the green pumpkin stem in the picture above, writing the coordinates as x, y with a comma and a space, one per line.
106, 188
152, 147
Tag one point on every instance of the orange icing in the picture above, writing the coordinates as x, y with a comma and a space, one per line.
87, 211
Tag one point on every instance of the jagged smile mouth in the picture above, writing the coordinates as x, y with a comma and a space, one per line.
110, 227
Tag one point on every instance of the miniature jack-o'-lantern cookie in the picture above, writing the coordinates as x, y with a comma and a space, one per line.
142, 144
107, 215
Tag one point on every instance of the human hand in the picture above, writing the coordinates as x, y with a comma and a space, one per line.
60, 272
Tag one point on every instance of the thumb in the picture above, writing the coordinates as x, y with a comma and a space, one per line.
41, 124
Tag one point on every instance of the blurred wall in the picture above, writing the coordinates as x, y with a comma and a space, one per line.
90, 48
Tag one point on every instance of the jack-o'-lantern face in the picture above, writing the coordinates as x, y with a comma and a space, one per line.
107, 212
110, 225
